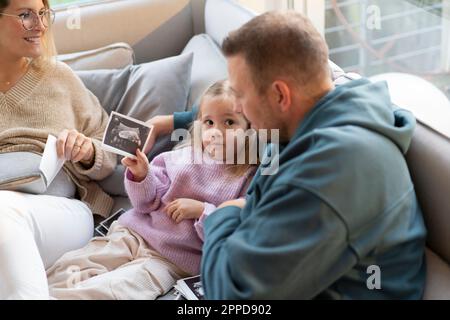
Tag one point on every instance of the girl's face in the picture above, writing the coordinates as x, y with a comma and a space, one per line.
219, 125
15, 41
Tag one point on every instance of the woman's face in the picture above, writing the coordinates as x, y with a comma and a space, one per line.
15, 41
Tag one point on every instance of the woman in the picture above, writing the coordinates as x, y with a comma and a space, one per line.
40, 96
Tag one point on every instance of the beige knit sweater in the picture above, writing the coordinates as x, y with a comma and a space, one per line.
48, 99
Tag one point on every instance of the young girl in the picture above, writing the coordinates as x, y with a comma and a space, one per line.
160, 240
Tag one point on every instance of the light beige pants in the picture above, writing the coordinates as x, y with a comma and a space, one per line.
118, 266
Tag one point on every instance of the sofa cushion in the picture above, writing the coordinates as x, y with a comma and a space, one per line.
142, 92
24, 174
121, 202
223, 16
145, 90
115, 56
209, 65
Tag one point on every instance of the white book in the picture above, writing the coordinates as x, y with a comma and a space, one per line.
50, 163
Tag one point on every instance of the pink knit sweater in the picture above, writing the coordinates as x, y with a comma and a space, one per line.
174, 175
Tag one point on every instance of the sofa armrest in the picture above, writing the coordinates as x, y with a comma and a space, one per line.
438, 278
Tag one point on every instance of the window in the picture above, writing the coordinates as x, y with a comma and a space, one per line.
410, 36
54, 3
377, 36
405, 42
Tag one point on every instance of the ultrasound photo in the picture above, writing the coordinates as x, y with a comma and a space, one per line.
124, 135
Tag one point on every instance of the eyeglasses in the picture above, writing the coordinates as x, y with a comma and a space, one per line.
30, 19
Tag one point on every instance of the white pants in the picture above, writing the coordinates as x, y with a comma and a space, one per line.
35, 230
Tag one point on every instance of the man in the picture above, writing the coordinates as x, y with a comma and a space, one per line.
340, 219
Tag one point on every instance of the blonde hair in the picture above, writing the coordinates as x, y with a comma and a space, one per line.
48, 42
220, 89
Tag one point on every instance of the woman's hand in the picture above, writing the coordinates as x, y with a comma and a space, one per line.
138, 167
161, 125
75, 146
182, 209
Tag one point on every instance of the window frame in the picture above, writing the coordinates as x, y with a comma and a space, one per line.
78, 4
446, 36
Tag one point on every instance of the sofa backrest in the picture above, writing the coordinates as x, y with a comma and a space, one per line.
143, 24
223, 16
429, 163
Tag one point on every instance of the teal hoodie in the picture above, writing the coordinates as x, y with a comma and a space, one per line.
340, 219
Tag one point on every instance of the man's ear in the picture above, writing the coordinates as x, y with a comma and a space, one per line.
281, 95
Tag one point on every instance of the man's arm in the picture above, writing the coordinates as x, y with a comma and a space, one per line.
291, 245
164, 125
182, 120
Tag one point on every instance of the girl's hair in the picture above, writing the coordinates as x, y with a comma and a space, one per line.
48, 42
220, 89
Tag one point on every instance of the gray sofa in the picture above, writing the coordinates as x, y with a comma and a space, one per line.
201, 27
429, 163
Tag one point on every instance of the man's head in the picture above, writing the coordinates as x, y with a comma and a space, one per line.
278, 68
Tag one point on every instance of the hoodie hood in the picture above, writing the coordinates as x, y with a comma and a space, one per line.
371, 108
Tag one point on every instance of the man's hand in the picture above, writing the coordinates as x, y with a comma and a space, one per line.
138, 167
75, 146
235, 203
182, 209
161, 125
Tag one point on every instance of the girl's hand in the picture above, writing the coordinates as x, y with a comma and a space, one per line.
182, 209
138, 167
75, 146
